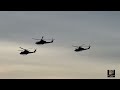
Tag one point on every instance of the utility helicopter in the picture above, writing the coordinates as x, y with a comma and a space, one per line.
42, 41
25, 51
80, 48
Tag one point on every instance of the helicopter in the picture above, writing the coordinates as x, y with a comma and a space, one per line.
42, 41
25, 52
79, 48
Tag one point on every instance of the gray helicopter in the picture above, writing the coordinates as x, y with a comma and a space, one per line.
25, 51
80, 48
42, 41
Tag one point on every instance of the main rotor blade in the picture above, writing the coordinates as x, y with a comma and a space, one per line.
82, 44
75, 46
47, 39
24, 49
36, 39
85, 46
21, 48
30, 48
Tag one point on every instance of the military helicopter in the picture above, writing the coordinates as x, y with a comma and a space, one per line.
42, 41
25, 52
79, 48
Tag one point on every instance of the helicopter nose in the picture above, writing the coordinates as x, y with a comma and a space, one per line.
75, 50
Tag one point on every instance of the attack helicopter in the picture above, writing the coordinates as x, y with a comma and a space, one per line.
25, 51
42, 41
80, 48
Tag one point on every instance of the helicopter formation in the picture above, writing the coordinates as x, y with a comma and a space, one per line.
43, 41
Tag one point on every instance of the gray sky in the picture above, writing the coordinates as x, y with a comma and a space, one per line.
58, 60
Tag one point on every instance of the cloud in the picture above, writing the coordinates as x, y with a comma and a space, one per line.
49, 63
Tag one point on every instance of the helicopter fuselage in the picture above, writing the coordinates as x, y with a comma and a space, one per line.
81, 49
40, 42
43, 42
26, 52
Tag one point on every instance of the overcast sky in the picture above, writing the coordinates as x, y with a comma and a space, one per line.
100, 29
